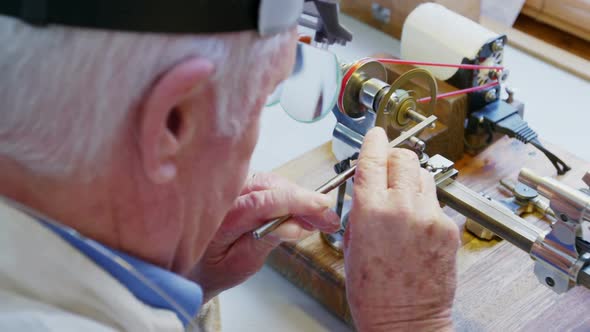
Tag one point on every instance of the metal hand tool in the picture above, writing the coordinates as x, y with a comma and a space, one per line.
339, 179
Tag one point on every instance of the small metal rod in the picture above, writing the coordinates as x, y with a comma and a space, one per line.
340, 200
509, 185
575, 204
339, 179
417, 144
417, 117
333, 183
269, 227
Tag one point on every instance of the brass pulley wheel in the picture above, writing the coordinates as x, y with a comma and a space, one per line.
354, 77
393, 113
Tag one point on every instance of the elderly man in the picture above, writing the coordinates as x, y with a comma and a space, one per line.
125, 202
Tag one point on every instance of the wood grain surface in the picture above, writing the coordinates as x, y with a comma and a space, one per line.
554, 36
497, 289
572, 16
540, 49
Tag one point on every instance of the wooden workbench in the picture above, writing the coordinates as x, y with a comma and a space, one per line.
497, 289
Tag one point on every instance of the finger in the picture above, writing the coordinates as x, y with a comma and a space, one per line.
318, 221
371, 170
247, 255
268, 181
265, 181
428, 186
305, 224
291, 231
259, 207
252, 253
403, 170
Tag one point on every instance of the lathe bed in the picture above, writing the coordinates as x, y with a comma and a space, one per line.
497, 288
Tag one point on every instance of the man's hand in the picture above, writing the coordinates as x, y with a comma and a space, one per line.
400, 248
234, 255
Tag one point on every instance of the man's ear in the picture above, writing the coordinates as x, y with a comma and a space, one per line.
166, 125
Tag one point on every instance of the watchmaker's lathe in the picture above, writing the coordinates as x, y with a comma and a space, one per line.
368, 98
366, 101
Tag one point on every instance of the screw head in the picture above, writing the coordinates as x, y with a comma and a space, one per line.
420, 146
498, 45
564, 217
490, 95
380, 13
524, 192
550, 282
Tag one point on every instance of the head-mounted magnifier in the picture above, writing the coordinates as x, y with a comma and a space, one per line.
306, 96
311, 91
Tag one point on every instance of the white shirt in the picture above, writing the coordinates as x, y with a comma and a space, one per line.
46, 284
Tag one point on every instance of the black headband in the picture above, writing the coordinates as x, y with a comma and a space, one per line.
167, 16
268, 17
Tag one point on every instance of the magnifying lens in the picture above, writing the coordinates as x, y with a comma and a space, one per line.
311, 91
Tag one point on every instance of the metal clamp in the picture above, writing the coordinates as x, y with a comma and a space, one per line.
557, 262
525, 200
441, 168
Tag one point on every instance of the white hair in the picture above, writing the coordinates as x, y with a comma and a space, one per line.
65, 92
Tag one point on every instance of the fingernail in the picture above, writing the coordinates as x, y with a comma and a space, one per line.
377, 129
325, 200
306, 224
289, 238
334, 220
271, 239
287, 232
326, 221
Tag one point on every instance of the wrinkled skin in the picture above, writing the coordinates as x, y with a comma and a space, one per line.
234, 255
400, 248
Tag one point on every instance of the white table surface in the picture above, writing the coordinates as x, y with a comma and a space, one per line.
555, 107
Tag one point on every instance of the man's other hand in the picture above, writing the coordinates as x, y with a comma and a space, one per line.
234, 255
400, 248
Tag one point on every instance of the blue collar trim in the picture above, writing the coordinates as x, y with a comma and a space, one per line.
151, 284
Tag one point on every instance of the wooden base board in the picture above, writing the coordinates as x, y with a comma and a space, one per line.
497, 289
